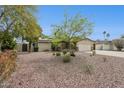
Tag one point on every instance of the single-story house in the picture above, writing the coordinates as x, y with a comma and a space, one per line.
42, 44
104, 45
88, 44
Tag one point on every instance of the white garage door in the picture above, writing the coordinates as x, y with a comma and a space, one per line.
44, 46
84, 47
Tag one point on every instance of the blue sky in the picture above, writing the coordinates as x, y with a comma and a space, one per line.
105, 18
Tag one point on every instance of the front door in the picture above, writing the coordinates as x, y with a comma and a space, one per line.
24, 48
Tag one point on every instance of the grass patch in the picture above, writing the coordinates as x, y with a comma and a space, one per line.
7, 64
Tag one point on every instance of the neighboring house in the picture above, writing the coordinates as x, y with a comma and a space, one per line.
104, 45
85, 44
43, 45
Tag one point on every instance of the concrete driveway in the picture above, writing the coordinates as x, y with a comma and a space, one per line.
110, 53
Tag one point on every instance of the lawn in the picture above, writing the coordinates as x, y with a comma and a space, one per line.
42, 69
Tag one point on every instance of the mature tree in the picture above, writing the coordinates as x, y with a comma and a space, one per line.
13, 18
72, 27
20, 21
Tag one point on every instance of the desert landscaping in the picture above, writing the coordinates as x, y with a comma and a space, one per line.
40, 48
42, 69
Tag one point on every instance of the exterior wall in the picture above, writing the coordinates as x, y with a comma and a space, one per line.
105, 47
99, 46
19, 47
44, 46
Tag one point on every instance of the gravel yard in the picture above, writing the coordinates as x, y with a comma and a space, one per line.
42, 69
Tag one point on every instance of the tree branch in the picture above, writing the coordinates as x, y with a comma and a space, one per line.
1, 15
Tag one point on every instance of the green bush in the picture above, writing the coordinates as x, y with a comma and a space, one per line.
65, 51
8, 42
66, 58
58, 54
72, 53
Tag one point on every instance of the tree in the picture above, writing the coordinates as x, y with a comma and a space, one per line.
32, 33
119, 43
20, 21
13, 18
72, 27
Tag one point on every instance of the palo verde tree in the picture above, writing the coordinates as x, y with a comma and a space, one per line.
72, 28
16, 20
32, 33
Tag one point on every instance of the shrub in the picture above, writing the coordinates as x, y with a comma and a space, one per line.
7, 64
66, 58
7, 42
64, 51
119, 44
53, 53
72, 53
58, 54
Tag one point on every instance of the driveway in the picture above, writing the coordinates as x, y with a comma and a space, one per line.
110, 53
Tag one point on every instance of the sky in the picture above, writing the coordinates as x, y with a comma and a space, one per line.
104, 18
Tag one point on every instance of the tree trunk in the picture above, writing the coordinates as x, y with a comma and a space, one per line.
30, 46
69, 45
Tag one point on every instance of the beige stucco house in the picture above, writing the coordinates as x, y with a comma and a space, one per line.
87, 45
104, 45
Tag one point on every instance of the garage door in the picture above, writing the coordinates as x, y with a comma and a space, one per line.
84, 47
44, 46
